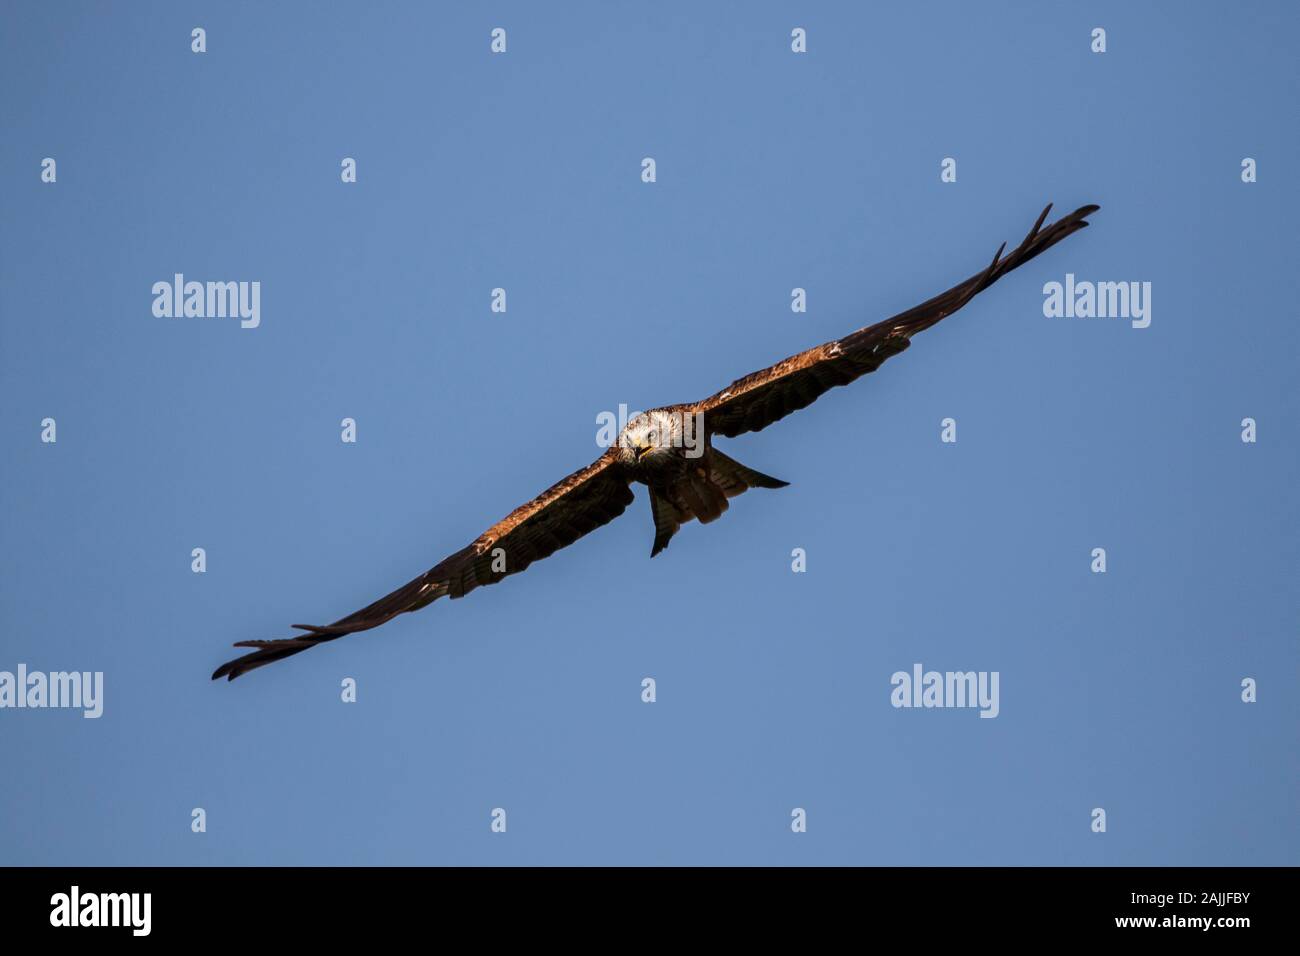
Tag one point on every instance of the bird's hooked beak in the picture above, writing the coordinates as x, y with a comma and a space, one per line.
640, 451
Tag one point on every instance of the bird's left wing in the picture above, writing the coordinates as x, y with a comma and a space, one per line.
556, 518
752, 403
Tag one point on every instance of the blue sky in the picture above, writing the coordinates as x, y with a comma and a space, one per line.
775, 170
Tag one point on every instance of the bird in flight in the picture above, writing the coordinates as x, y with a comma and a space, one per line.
670, 451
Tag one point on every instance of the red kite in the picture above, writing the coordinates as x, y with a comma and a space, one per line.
670, 450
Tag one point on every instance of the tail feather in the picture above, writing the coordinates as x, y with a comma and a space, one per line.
713, 497
667, 520
702, 496
734, 478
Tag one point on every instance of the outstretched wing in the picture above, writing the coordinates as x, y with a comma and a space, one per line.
752, 403
556, 518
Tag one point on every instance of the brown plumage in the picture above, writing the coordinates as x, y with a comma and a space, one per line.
687, 479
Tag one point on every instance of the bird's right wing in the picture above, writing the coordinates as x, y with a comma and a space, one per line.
759, 399
556, 518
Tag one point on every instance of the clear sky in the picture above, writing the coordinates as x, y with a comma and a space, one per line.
522, 171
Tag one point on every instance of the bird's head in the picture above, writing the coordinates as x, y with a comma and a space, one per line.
649, 436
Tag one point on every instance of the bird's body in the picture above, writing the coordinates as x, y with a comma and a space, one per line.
671, 451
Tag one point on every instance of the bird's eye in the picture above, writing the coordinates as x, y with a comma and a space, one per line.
652, 437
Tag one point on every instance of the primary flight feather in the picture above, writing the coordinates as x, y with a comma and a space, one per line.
685, 479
